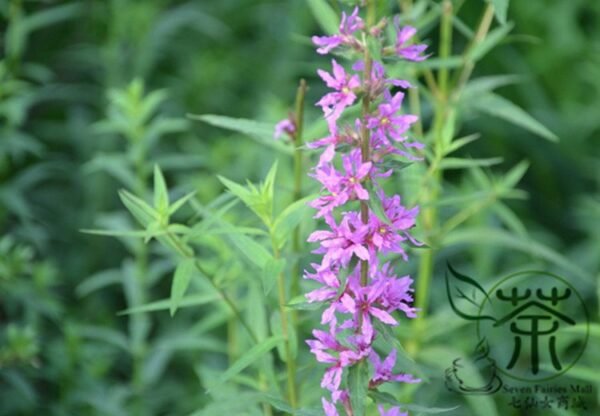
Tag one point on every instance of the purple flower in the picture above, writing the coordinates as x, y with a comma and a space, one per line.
397, 292
341, 187
385, 123
327, 277
334, 103
287, 126
341, 243
377, 82
328, 350
384, 370
329, 408
348, 26
393, 411
412, 52
360, 301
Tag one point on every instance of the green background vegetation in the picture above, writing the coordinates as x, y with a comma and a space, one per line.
94, 93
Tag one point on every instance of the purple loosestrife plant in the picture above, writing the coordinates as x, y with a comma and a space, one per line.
356, 287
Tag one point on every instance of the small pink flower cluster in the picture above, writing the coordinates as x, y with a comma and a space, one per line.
373, 293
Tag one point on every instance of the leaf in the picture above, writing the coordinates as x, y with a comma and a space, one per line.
164, 304
260, 132
98, 281
358, 383
161, 194
375, 204
115, 165
490, 42
277, 330
439, 63
325, 15
142, 212
253, 354
513, 176
51, 16
181, 281
463, 141
252, 198
500, 10
253, 251
500, 107
460, 163
180, 202
486, 84
272, 268
269, 183
289, 219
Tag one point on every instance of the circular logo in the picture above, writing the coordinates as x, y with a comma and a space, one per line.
526, 320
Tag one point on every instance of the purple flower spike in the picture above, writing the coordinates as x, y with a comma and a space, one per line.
354, 300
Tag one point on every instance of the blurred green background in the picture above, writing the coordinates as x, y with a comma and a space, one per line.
73, 75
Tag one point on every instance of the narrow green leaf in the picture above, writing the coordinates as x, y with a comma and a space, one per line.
161, 194
510, 219
325, 15
358, 384
142, 212
98, 281
272, 268
513, 176
500, 107
253, 354
115, 165
252, 250
459, 163
277, 330
165, 304
260, 132
269, 183
461, 142
490, 42
181, 281
50, 16
486, 84
438, 63
375, 205
251, 197
500, 10
180, 202
290, 217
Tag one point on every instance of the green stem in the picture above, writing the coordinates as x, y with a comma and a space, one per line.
289, 362
364, 134
465, 72
298, 176
445, 45
186, 252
